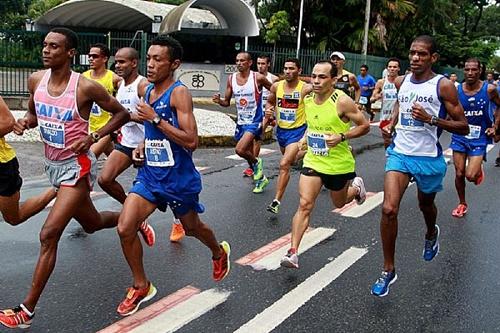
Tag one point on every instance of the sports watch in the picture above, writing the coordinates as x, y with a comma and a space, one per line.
156, 120
95, 136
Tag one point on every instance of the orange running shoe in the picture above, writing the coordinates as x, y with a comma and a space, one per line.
148, 233
134, 298
460, 211
480, 179
248, 172
222, 265
177, 232
16, 318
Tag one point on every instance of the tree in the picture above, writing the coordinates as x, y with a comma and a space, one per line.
277, 26
40, 7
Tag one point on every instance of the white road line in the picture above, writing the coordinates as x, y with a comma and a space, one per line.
274, 315
311, 238
183, 313
352, 209
263, 152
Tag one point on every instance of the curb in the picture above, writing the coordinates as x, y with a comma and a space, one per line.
229, 141
207, 101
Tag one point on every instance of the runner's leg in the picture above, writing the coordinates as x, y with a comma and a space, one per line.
116, 164
15, 213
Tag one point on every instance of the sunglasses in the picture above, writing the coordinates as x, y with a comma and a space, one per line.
94, 56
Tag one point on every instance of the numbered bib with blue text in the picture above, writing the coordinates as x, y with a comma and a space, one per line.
52, 133
474, 132
317, 144
159, 153
407, 122
363, 100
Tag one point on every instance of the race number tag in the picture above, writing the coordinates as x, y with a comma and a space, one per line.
287, 115
363, 100
474, 132
52, 133
407, 122
159, 153
95, 110
317, 144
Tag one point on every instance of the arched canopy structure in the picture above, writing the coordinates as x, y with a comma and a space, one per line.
218, 17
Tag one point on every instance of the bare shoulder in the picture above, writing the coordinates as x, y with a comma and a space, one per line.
399, 80
181, 94
36, 77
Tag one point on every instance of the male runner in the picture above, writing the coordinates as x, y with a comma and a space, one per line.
126, 61
427, 104
476, 97
453, 79
10, 182
98, 59
367, 84
385, 89
168, 177
346, 81
246, 86
60, 103
328, 161
286, 105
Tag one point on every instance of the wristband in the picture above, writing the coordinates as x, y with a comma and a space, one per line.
342, 137
434, 120
95, 136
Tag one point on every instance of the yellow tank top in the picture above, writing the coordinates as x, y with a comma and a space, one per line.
290, 106
7, 153
324, 119
98, 117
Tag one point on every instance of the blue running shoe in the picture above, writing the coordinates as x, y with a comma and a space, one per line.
381, 287
431, 247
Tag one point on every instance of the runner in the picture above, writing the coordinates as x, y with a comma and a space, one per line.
476, 97
60, 103
328, 161
168, 177
367, 84
385, 90
98, 59
246, 86
286, 104
427, 105
10, 181
346, 81
453, 79
132, 133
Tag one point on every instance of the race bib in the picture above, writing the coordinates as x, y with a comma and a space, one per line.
317, 144
474, 132
95, 110
363, 100
159, 153
407, 122
52, 133
288, 115
245, 117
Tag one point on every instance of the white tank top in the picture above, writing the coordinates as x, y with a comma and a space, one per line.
265, 92
248, 100
389, 98
414, 137
132, 132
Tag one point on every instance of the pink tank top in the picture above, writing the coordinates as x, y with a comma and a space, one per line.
59, 121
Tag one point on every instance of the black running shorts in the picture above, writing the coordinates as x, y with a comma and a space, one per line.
10, 181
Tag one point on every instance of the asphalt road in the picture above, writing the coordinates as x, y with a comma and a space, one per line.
456, 292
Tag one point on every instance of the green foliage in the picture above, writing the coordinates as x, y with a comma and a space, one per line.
40, 7
278, 25
494, 64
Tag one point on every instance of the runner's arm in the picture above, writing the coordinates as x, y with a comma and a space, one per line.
262, 81
227, 96
456, 123
29, 120
377, 92
6, 119
116, 83
270, 107
141, 92
357, 89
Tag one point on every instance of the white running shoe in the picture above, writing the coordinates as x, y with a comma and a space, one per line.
360, 185
290, 260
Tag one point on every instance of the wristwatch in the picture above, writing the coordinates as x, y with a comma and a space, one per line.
342, 137
434, 120
156, 120
95, 136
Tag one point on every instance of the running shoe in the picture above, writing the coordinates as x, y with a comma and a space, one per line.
16, 318
134, 298
248, 172
177, 232
480, 179
360, 185
431, 246
222, 265
460, 211
148, 233
381, 287
290, 260
274, 207
260, 185
258, 169
497, 162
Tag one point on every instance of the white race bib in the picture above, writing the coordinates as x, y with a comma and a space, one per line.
363, 100
317, 144
52, 133
407, 122
159, 153
474, 132
287, 115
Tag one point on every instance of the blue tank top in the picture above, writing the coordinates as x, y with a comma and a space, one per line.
168, 167
477, 111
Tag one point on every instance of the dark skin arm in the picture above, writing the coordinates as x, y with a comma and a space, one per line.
227, 96
6, 119
29, 120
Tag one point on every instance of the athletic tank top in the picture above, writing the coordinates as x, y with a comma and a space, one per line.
132, 132
168, 167
477, 111
389, 98
290, 106
248, 100
7, 153
414, 137
59, 121
324, 119
99, 117
265, 92
344, 84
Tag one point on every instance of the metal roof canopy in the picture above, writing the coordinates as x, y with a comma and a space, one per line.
218, 17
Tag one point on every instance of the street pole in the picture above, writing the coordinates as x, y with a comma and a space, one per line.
367, 26
300, 26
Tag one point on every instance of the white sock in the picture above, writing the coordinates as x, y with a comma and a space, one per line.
26, 310
177, 221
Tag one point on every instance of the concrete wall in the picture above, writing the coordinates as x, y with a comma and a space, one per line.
203, 80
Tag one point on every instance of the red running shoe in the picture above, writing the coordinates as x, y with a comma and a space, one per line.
16, 318
134, 298
222, 265
177, 232
460, 211
148, 233
248, 172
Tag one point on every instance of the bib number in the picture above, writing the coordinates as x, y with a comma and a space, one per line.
363, 100
407, 122
474, 132
159, 153
95, 110
317, 144
52, 133
287, 115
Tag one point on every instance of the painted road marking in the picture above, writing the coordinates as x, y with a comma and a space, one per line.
263, 152
202, 168
352, 209
170, 313
268, 257
274, 315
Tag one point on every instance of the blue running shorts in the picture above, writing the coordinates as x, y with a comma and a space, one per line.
428, 172
254, 128
180, 204
468, 147
287, 136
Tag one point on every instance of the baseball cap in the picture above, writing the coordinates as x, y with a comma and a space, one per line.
338, 54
